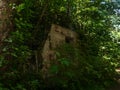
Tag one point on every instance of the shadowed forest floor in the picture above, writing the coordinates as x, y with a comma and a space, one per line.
117, 86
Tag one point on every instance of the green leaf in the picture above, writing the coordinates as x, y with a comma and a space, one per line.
20, 7
54, 69
65, 61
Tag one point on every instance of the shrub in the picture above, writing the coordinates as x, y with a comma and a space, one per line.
76, 71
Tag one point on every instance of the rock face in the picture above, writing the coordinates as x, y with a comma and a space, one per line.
5, 19
57, 36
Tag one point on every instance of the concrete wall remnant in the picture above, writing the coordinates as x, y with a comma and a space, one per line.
5, 19
57, 36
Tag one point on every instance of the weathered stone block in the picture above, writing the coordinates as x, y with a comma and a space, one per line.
5, 19
57, 36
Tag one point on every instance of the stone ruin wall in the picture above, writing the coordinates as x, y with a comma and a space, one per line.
57, 36
5, 19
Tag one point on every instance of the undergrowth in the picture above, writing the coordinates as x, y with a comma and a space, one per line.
88, 66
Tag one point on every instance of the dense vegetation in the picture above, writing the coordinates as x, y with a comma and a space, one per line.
89, 66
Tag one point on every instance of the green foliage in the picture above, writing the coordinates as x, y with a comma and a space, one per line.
83, 72
88, 66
